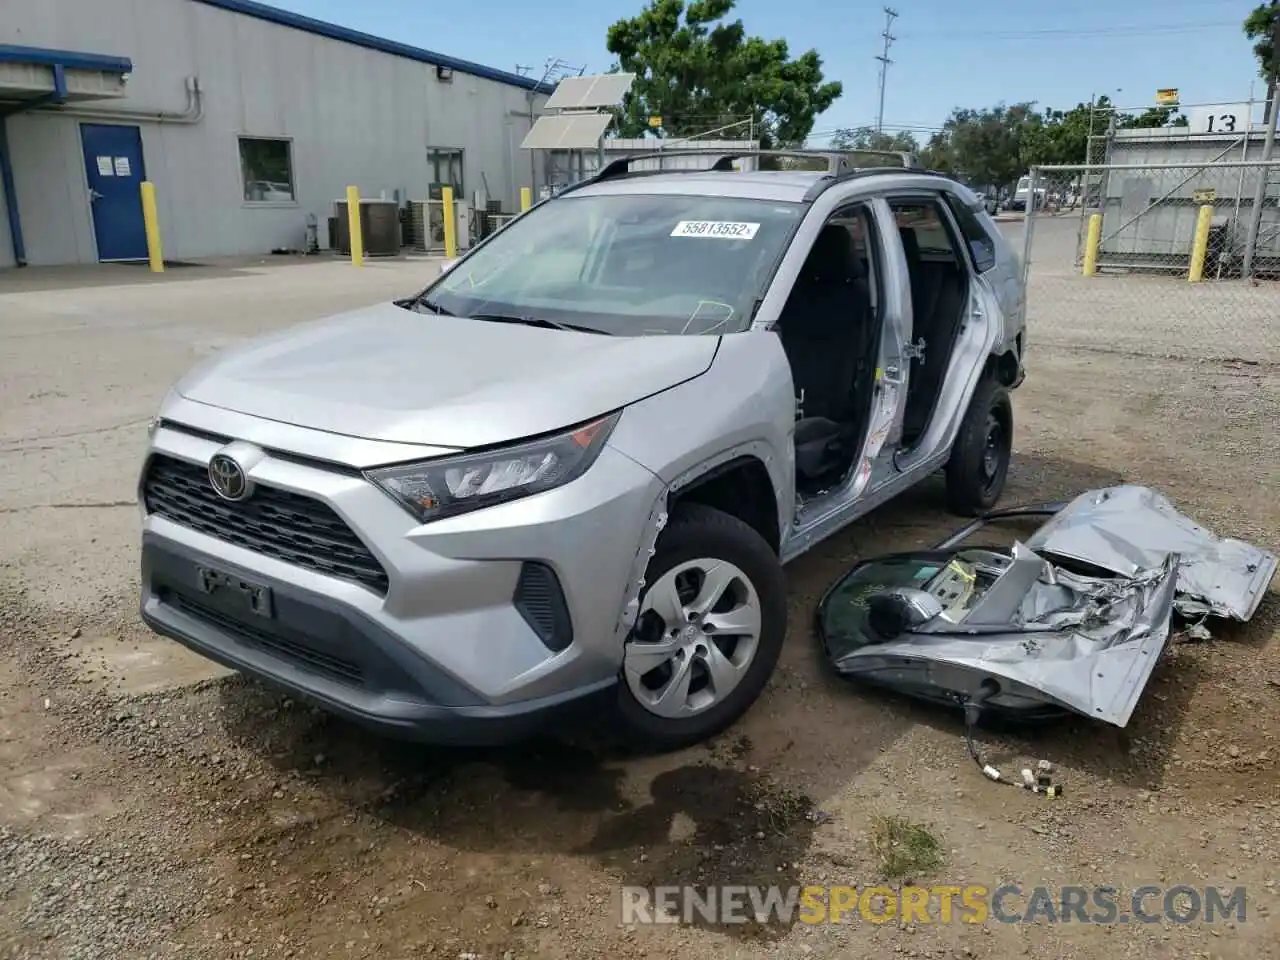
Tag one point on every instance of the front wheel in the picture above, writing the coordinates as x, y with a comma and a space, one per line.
979, 463
712, 621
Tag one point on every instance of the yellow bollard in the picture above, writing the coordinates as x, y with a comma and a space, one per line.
1200, 247
526, 198
1091, 245
450, 223
151, 222
353, 226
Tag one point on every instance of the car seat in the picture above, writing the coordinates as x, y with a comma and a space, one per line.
824, 330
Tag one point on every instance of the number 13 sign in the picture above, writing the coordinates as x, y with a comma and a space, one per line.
1226, 118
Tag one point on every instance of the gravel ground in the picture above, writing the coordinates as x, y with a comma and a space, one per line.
151, 806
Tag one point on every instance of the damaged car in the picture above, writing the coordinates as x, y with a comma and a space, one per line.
570, 468
1072, 620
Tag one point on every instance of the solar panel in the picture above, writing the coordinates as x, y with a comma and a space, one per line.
580, 93
573, 131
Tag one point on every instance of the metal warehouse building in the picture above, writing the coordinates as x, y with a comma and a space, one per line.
1163, 176
247, 119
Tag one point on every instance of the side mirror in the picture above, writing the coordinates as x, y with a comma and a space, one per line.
448, 265
895, 612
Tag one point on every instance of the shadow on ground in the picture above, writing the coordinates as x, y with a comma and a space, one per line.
703, 816
686, 818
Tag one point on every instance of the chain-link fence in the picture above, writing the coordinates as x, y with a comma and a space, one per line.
1157, 257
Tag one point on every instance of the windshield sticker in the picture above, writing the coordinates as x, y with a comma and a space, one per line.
718, 229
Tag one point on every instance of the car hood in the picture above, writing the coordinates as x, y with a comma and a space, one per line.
386, 373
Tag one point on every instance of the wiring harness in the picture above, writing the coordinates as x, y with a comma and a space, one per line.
1040, 782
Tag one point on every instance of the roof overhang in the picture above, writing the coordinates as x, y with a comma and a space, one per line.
33, 77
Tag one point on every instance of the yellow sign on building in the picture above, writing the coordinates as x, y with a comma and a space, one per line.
1167, 97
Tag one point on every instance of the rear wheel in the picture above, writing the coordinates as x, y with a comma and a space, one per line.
979, 463
712, 621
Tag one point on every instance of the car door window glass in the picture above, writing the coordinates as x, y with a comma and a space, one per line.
981, 246
924, 220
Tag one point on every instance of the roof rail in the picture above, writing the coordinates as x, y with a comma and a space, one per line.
622, 166
911, 165
840, 164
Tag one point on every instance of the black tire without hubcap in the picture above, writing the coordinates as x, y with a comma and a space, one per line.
713, 616
979, 463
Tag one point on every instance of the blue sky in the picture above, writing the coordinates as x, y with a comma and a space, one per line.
947, 53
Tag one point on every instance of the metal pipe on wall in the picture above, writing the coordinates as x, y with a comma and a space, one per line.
194, 112
11, 197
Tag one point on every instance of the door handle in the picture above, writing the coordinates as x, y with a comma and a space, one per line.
94, 195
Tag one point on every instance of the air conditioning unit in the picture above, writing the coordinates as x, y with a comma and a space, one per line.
426, 225
379, 226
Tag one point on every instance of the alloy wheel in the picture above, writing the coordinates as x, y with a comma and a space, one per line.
698, 632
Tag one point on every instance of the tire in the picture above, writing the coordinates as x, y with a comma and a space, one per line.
979, 463
698, 534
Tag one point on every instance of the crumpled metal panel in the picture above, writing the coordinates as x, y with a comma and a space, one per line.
1126, 529
1074, 619
1083, 644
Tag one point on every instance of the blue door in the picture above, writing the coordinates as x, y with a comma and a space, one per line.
113, 162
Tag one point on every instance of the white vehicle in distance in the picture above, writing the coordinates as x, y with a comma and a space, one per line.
1020, 194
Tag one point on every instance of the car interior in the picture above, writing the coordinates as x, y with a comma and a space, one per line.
830, 329
939, 298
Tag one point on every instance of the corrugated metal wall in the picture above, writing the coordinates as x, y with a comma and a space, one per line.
1150, 215
353, 115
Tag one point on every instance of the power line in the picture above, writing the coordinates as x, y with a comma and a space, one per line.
890, 16
888, 128
1072, 33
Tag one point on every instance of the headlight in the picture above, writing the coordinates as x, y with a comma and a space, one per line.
434, 489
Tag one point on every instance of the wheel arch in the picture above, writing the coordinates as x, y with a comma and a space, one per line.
740, 487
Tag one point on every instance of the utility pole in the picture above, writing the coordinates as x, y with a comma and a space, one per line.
1268, 146
889, 16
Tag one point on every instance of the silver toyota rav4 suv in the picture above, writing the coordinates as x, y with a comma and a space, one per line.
571, 469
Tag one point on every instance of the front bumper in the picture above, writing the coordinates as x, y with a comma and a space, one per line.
445, 653
330, 654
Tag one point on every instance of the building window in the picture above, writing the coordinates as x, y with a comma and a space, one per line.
444, 165
267, 168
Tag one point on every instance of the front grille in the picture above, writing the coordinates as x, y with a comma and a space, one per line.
308, 658
275, 523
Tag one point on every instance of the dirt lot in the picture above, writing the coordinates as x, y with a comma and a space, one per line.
152, 807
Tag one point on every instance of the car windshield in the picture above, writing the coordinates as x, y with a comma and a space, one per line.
628, 265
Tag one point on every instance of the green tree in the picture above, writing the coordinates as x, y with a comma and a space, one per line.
1062, 136
1153, 117
866, 138
698, 71
936, 154
1260, 27
985, 147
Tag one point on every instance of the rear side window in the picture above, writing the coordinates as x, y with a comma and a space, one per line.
923, 219
981, 246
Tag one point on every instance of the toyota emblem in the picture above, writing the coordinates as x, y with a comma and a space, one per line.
228, 478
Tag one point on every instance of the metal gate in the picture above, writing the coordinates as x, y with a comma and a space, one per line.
1154, 259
